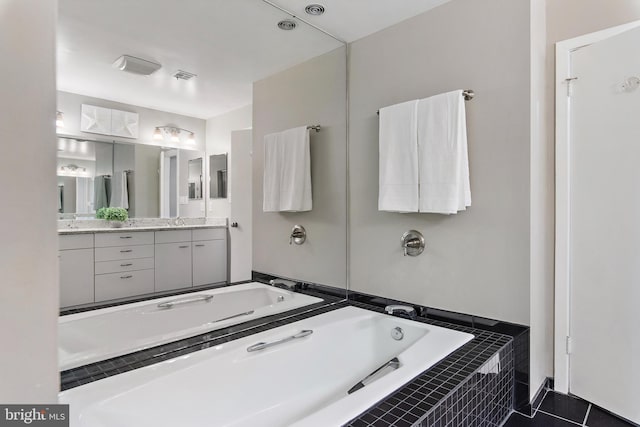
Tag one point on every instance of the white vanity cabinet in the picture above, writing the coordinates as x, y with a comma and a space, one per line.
75, 257
173, 260
209, 250
124, 265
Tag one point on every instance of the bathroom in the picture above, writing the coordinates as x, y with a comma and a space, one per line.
337, 311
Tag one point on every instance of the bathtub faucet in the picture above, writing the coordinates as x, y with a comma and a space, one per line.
406, 309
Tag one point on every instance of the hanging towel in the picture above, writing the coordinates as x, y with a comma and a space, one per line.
101, 198
398, 170
287, 171
442, 154
120, 195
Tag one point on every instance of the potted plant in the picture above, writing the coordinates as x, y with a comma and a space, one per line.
115, 216
100, 213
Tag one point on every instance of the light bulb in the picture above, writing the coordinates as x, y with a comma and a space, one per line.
191, 139
174, 136
157, 134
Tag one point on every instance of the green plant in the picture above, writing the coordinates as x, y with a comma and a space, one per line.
100, 213
116, 214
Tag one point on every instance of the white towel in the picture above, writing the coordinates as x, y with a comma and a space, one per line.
120, 193
442, 154
398, 170
287, 171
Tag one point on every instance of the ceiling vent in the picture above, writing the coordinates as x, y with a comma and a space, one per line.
134, 65
183, 75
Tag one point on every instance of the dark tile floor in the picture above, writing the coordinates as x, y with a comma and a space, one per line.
559, 410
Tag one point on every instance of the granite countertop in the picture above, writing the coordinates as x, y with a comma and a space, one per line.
88, 226
125, 229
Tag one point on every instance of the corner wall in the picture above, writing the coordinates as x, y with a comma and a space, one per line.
477, 261
307, 94
28, 255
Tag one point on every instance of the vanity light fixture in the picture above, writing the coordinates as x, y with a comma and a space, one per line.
173, 132
59, 119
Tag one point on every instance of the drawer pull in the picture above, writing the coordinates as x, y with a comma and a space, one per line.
126, 265
126, 277
126, 250
125, 237
199, 246
183, 247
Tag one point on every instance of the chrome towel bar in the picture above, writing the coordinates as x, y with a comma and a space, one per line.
246, 313
383, 370
169, 304
467, 94
263, 345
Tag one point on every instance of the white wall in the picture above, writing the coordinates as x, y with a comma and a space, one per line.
477, 261
28, 255
219, 130
71, 104
307, 94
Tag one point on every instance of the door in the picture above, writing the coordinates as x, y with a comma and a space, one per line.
173, 266
209, 262
240, 205
604, 362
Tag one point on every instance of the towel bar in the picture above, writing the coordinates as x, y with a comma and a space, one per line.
468, 95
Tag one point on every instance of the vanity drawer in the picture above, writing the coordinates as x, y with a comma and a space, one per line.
106, 267
124, 252
104, 240
209, 234
126, 284
173, 236
75, 241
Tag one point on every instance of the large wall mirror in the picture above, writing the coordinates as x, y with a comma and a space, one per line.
252, 60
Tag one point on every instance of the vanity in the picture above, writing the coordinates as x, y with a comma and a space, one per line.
104, 264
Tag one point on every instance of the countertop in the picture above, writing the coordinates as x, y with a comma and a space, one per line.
67, 231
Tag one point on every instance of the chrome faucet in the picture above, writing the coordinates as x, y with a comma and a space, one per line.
179, 221
406, 309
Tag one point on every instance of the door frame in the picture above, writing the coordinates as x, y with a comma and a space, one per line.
562, 309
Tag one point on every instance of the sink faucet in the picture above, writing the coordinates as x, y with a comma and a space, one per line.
179, 221
406, 309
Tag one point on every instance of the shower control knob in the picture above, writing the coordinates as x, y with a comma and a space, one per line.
234, 224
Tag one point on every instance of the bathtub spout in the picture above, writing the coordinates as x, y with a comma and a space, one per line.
406, 309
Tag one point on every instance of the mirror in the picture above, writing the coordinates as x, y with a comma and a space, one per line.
218, 176
195, 179
178, 158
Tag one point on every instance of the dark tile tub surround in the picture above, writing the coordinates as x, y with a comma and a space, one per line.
474, 385
559, 410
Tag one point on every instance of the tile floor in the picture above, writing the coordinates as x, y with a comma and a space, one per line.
559, 410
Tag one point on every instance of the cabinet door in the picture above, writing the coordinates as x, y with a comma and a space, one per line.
76, 277
209, 262
122, 285
173, 266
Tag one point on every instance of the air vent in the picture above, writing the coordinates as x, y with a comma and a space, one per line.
314, 9
183, 75
132, 64
287, 25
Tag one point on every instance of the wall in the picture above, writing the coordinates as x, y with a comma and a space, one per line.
147, 181
219, 130
310, 93
476, 261
71, 104
28, 256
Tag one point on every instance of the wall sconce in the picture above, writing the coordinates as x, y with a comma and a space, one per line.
161, 132
59, 119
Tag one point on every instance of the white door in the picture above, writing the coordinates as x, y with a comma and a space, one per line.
240, 229
604, 363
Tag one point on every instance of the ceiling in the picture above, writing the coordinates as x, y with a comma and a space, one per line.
229, 44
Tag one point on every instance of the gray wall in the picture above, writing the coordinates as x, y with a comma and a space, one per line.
28, 255
147, 181
476, 261
310, 93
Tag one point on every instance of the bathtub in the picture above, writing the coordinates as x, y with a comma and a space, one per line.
303, 381
101, 334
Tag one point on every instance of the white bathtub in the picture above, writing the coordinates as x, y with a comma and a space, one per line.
100, 334
302, 382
